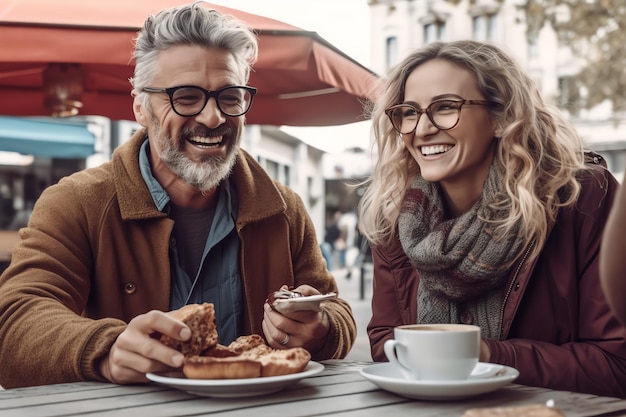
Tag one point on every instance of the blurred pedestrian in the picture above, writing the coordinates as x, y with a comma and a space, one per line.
348, 224
331, 235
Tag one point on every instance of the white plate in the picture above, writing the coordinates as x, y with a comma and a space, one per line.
309, 302
486, 377
231, 388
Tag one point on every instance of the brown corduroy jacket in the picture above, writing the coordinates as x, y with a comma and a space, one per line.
95, 255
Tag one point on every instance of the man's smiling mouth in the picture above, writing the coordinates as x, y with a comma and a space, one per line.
206, 142
435, 149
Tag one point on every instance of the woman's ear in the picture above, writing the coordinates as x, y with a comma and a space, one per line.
498, 132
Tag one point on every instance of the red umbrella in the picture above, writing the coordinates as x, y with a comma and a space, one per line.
302, 79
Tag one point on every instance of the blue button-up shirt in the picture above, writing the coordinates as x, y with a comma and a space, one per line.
218, 279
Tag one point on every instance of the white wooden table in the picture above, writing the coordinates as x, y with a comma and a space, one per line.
339, 390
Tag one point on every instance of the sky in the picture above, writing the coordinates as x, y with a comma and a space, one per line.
343, 23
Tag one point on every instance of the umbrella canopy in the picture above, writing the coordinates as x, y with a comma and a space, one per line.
302, 79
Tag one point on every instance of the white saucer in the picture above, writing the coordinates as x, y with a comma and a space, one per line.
233, 388
485, 378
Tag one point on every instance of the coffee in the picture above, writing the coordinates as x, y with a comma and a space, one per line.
428, 327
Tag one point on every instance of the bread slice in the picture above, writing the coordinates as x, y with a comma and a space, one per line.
200, 318
284, 362
232, 367
246, 357
246, 343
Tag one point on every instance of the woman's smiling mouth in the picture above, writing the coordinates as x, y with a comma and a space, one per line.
435, 149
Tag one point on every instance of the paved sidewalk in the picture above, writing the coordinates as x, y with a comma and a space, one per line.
350, 290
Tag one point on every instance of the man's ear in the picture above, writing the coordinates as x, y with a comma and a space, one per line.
140, 111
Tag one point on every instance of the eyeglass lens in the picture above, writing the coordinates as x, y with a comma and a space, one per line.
444, 114
232, 101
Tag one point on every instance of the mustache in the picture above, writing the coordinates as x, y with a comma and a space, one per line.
223, 130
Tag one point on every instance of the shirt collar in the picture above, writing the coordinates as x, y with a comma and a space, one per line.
159, 196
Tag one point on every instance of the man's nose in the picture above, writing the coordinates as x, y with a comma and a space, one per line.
211, 116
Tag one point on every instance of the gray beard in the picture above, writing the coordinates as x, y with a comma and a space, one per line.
204, 175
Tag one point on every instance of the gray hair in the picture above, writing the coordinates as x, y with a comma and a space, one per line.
193, 24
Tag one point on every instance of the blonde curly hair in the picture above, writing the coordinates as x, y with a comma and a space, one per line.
538, 151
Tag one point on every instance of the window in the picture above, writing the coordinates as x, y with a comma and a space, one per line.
492, 26
276, 170
484, 27
533, 47
569, 95
434, 31
391, 51
287, 175
271, 168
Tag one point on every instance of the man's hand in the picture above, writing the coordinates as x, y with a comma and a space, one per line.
307, 329
136, 352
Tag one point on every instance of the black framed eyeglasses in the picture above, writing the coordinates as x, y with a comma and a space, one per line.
443, 114
190, 100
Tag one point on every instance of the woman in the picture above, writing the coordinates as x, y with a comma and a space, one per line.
483, 208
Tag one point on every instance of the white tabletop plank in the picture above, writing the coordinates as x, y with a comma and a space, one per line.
338, 391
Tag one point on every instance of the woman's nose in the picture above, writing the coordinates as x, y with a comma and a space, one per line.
424, 126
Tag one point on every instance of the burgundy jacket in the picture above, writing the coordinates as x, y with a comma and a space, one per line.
557, 328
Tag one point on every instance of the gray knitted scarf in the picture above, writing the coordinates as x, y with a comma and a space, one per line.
461, 264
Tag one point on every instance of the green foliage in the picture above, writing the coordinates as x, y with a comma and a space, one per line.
595, 30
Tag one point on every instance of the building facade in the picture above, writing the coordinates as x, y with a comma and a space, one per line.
23, 177
400, 26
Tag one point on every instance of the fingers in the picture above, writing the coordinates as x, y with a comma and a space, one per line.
300, 332
309, 331
136, 352
278, 339
271, 322
137, 337
124, 367
306, 290
167, 325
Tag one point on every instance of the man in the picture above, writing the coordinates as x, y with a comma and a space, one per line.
180, 215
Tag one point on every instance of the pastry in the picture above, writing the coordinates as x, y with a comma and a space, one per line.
200, 318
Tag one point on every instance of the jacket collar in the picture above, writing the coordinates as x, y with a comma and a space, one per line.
258, 195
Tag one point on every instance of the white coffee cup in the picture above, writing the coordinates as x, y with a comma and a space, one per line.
434, 352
